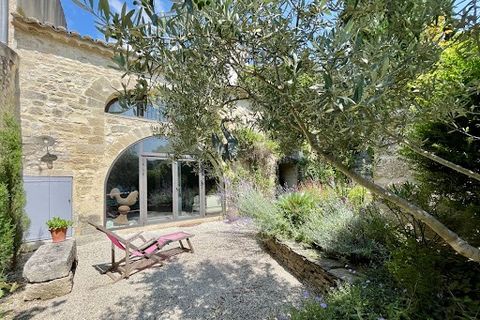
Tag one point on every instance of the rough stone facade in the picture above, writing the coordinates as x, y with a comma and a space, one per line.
65, 84
307, 265
9, 93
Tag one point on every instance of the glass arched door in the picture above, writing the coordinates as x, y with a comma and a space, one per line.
146, 185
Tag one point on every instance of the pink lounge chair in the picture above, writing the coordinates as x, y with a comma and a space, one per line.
139, 257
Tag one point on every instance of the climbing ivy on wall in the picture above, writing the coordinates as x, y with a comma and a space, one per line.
256, 160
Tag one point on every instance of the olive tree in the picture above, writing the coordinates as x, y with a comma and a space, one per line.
337, 75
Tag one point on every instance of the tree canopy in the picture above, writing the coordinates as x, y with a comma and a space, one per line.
338, 75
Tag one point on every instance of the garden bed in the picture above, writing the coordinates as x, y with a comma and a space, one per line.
315, 271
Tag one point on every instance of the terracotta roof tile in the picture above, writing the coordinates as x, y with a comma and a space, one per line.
60, 30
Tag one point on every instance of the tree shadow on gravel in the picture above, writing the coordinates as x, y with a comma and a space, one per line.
215, 290
34, 311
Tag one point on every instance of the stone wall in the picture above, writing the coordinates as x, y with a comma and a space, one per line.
65, 87
308, 266
9, 93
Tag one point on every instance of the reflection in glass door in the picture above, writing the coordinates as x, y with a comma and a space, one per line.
189, 189
159, 189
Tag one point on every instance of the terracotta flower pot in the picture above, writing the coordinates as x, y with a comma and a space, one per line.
58, 235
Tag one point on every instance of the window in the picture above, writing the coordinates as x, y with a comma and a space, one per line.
141, 109
146, 184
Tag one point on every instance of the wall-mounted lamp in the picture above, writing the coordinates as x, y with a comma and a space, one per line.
48, 158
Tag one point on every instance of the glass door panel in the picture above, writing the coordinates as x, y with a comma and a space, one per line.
213, 198
159, 190
189, 189
122, 197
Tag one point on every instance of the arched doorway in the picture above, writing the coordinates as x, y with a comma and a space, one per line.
146, 185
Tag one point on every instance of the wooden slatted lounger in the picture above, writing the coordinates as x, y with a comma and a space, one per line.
139, 257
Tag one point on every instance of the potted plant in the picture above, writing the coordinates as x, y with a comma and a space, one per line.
58, 228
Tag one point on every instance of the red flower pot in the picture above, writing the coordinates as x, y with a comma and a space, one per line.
58, 235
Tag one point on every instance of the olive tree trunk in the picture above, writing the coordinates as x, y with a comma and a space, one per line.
429, 155
446, 163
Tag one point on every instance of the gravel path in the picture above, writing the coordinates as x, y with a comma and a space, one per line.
228, 277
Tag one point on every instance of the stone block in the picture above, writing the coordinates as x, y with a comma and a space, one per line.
51, 261
50, 289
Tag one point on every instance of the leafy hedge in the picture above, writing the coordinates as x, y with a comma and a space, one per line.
13, 221
7, 232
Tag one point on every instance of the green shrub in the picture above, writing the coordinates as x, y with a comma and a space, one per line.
297, 206
452, 197
359, 196
461, 287
367, 299
415, 269
317, 216
440, 283
264, 211
313, 168
11, 178
13, 221
341, 232
319, 191
7, 232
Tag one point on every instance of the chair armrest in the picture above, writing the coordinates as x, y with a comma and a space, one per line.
135, 236
147, 244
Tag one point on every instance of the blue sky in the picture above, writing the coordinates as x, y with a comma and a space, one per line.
84, 23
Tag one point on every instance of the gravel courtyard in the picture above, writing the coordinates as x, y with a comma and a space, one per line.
228, 277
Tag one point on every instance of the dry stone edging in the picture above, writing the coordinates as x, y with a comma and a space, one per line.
308, 266
50, 270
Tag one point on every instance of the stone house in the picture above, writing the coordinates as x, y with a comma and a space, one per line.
86, 156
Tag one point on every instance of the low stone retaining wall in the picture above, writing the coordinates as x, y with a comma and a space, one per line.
50, 270
308, 266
